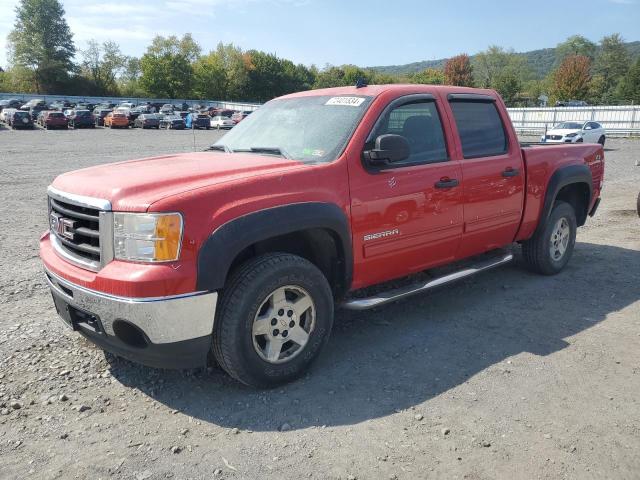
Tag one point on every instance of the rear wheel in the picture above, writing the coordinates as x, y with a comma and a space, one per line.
550, 248
601, 140
275, 316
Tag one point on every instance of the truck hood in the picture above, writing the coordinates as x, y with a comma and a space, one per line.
136, 184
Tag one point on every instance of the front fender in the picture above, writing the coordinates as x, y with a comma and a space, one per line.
223, 245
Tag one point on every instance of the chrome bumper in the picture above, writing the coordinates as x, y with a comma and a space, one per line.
163, 319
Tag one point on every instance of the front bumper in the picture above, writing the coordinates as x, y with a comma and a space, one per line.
164, 332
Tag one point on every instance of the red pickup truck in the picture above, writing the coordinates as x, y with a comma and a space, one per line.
242, 251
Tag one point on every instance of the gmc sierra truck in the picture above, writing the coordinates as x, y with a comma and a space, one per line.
242, 252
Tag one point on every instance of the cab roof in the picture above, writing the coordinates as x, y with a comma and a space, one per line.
400, 88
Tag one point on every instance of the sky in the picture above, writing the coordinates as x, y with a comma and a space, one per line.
365, 33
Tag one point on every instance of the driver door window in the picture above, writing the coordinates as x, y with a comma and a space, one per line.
420, 124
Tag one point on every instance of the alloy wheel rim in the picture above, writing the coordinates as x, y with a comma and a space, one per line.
560, 239
283, 324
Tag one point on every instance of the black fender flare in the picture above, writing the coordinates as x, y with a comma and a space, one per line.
223, 245
571, 174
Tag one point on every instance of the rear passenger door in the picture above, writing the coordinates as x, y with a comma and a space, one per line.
492, 172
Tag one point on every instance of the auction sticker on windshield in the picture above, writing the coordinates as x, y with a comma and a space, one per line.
348, 101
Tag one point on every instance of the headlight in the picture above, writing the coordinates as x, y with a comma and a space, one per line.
571, 135
147, 237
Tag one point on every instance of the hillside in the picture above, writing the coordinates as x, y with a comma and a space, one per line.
541, 61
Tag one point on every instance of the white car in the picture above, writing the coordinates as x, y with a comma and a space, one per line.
6, 113
576, 132
222, 122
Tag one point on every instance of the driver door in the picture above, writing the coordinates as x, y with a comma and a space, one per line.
406, 216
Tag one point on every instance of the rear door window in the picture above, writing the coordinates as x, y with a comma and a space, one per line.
480, 128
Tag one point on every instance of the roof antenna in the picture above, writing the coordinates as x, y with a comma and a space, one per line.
361, 82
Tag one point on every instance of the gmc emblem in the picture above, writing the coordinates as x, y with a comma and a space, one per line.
63, 227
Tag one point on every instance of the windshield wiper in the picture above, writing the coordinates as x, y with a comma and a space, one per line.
269, 150
220, 147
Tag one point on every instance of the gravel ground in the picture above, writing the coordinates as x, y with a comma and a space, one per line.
506, 375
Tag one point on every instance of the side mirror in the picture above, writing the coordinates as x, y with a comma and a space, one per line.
388, 149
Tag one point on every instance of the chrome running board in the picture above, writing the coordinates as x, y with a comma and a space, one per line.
398, 293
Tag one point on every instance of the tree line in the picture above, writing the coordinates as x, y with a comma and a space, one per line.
44, 59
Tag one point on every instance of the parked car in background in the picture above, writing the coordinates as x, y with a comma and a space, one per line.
167, 108
81, 119
20, 119
61, 105
127, 105
220, 121
5, 113
182, 106
34, 102
197, 120
572, 103
85, 106
99, 114
239, 116
10, 103
116, 119
36, 110
51, 119
147, 108
172, 121
147, 120
576, 132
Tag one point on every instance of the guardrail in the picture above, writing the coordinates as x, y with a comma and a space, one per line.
243, 106
619, 121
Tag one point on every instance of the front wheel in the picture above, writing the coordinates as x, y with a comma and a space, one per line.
550, 248
275, 316
601, 140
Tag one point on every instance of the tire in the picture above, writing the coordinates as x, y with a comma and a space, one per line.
242, 352
601, 140
537, 251
580, 140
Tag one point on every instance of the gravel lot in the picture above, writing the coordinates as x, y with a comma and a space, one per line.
507, 375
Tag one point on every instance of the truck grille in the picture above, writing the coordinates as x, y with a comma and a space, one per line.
76, 229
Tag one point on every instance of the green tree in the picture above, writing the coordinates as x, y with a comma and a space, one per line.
129, 81
612, 63
429, 76
101, 65
458, 71
346, 75
629, 87
210, 77
504, 71
42, 43
166, 66
575, 45
235, 65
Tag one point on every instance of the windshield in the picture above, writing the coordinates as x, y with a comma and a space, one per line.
568, 126
312, 129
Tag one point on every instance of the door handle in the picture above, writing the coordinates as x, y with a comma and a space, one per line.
447, 183
510, 172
